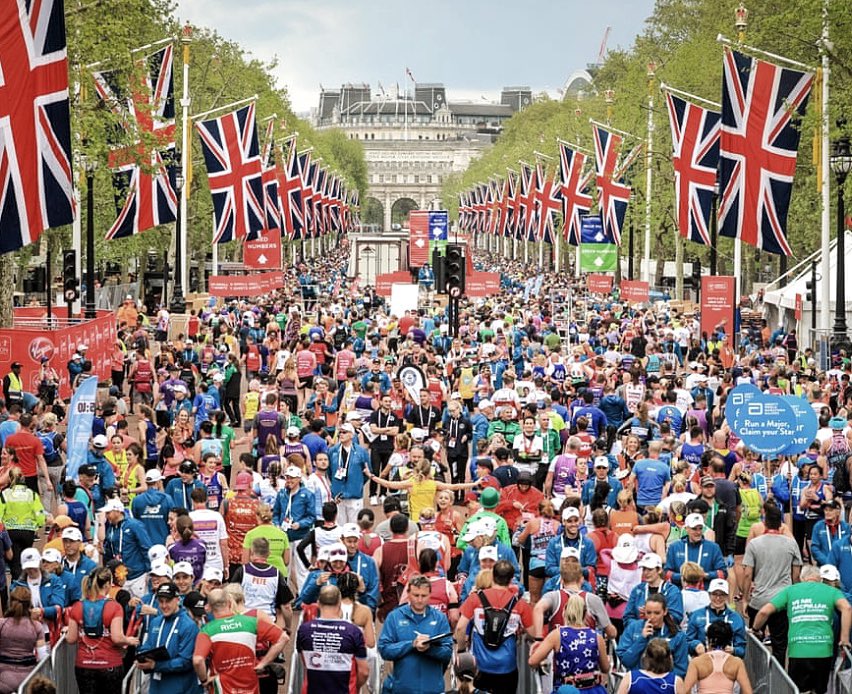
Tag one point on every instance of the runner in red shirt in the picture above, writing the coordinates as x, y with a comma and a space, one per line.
29, 451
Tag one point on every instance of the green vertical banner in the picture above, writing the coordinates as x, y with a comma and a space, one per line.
597, 252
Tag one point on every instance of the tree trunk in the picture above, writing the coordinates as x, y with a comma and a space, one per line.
7, 288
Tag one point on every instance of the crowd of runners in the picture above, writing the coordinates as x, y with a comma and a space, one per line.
555, 489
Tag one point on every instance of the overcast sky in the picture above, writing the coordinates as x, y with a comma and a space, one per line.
474, 47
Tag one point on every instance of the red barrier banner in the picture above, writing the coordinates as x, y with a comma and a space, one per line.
418, 242
600, 284
717, 303
263, 253
482, 283
634, 291
386, 280
245, 285
31, 339
799, 307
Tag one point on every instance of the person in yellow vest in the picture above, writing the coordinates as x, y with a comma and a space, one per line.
13, 385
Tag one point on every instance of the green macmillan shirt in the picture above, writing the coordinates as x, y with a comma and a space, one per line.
810, 611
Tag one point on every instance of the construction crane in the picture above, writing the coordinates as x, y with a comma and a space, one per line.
602, 51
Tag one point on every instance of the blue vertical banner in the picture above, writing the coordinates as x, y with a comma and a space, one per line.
439, 225
82, 414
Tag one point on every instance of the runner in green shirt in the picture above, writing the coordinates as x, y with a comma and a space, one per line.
279, 545
810, 607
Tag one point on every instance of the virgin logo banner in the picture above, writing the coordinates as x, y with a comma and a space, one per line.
717, 303
30, 340
245, 285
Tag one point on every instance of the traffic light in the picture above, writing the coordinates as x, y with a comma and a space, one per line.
455, 270
696, 273
440, 271
810, 285
70, 281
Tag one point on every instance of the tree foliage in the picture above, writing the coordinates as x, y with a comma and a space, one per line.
680, 37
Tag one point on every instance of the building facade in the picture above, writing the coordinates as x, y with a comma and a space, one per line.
412, 142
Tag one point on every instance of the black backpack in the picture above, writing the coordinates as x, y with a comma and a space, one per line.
495, 621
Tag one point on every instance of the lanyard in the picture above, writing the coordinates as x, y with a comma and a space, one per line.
700, 552
171, 631
707, 618
455, 421
120, 540
324, 481
289, 504
431, 414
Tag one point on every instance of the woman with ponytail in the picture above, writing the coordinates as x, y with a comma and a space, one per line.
188, 548
96, 625
22, 644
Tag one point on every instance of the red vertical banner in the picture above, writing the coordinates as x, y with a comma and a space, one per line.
799, 306
418, 241
263, 253
600, 284
717, 303
635, 291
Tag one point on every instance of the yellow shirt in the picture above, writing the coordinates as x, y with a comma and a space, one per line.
422, 495
252, 401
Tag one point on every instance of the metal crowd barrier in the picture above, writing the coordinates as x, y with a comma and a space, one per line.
58, 667
766, 674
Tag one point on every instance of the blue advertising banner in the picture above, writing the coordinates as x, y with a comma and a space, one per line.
439, 225
81, 415
769, 424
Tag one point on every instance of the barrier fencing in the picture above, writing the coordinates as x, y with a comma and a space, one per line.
766, 674
58, 667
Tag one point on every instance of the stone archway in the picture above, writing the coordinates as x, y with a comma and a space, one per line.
400, 210
373, 212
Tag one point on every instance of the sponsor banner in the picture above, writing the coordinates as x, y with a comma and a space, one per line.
439, 225
799, 306
418, 241
245, 285
29, 341
634, 291
482, 284
386, 280
263, 253
598, 257
600, 284
81, 414
717, 303
770, 424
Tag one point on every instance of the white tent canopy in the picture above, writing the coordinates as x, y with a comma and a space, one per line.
780, 303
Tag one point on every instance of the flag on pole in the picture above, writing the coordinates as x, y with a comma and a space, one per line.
232, 156
35, 122
303, 161
695, 156
269, 176
549, 203
758, 146
290, 192
512, 220
574, 189
143, 175
613, 194
410, 76
526, 201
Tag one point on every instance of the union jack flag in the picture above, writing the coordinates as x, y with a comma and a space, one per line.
290, 194
574, 187
143, 175
549, 199
758, 146
513, 219
269, 176
503, 216
695, 156
464, 211
526, 202
613, 195
35, 127
303, 160
232, 156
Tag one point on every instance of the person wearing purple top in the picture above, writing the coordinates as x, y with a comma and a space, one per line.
188, 548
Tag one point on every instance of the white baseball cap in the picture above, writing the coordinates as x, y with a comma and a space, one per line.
51, 555
337, 552
488, 552
570, 512
347, 427
293, 471
569, 553
473, 530
113, 505
157, 553
694, 520
183, 567
161, 569
293, 431
30, 559
829, 572
651, 561
602, 461
719, 585
100, 441
485, 403
154, 476
72, 534
211, 573
350, 530
322, 553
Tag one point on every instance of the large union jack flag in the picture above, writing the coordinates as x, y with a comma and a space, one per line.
269, 176
526, 202
35, 127
513, 204
549, 200
232, 156
695, 156
758, 146
290, 193
307, 181
143, 174
576, 198
613, 194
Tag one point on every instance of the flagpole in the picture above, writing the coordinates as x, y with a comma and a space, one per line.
646, 274
232, 105
577, 262
825, 236
185, 102
686, 95
721, 38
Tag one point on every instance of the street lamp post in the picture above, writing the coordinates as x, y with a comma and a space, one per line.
841, 165
178, 304
90, 165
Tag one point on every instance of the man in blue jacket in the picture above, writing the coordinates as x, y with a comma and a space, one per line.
362, 565
180, 488
652, 582
95, 458
716, 611
482, 533
348, 465
570, 537
696, 549
51, 591
827, 532
127, 540
176, 631
295, 513
152, 506
601, 474
418, 663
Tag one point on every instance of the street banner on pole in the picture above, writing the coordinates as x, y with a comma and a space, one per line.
597, 252
245, 285
717, 303
600, 284
80, 418
634, 291
419, 252
263, 253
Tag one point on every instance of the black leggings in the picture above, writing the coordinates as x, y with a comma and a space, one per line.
231, 406
378, 460
458, 465
99, 680
21, 540
496, 684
